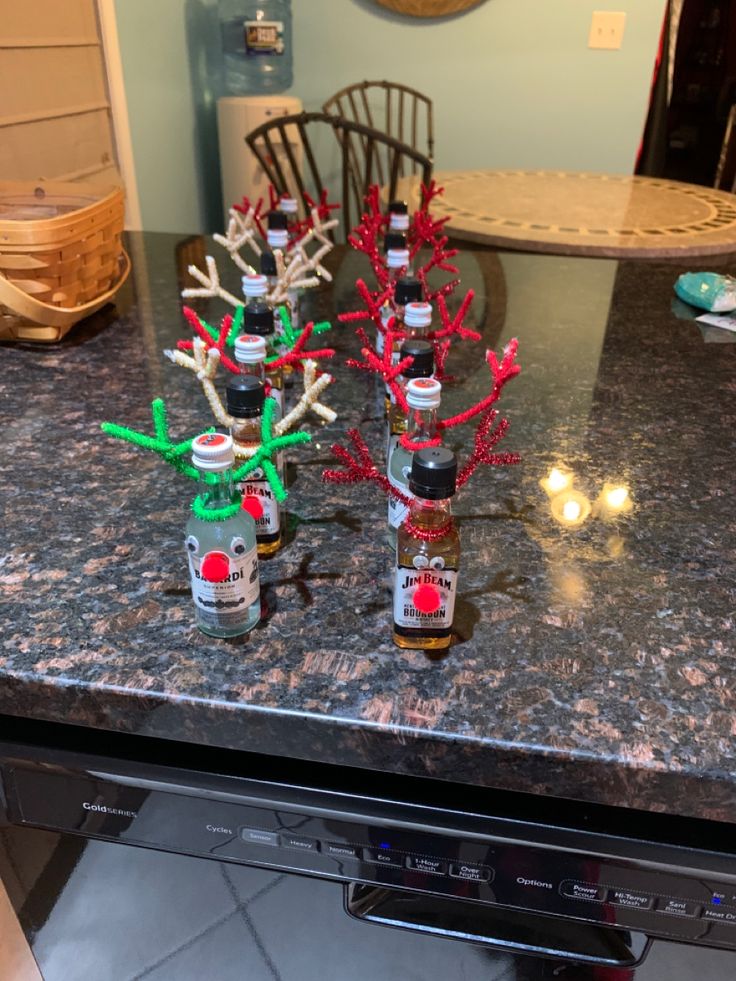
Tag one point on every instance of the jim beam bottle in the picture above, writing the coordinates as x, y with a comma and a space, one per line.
245, 397
425, 578
223, 559
423, 396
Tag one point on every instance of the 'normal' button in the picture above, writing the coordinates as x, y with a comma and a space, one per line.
582, 890
255, 836
337, 850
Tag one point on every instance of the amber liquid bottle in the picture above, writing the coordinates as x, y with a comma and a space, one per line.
425, 577
245, 398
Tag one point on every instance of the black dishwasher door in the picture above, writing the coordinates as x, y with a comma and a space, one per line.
97, 911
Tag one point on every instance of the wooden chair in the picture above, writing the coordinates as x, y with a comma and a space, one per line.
726, 172
369, 156
288, 148
395, 109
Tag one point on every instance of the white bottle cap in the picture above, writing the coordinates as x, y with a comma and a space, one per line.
418, 314
397, 222
250, 349
396, 258
277, 238
288, 205
213, 452
256, 285
423, 393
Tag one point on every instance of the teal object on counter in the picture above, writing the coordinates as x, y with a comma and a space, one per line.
710, 291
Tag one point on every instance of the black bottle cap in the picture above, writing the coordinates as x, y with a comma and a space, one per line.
423, 353
268, 264
258, 319
408, 289
433, 473
394, 240
245, 396
277, 219
398, 208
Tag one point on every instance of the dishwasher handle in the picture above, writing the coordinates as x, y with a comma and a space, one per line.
513, 931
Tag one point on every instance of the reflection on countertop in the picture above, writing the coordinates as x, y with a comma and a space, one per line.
595, 648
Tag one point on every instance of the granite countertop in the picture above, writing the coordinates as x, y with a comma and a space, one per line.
596, 663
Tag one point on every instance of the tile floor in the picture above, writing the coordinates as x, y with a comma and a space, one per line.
130, 914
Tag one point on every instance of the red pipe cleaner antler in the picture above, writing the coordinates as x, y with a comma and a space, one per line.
245, 206
374, 303
360, 467
483, 443
500, 373
206, 333
381, 365
297, 355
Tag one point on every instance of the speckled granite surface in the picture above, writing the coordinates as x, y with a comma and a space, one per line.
597, 664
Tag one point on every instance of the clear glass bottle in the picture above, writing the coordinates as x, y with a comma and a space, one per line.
393, 241
424, 396
258, 319
223, 558
398, 216
421, 367
245, 397
277, 237
425, 576
407, 289
417, 319
256, 45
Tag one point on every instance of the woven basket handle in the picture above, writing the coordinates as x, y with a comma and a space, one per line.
28, 306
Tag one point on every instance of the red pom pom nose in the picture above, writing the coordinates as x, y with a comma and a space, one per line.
215, 567
426, 599
253, 506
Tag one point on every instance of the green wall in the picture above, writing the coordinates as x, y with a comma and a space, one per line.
513, 82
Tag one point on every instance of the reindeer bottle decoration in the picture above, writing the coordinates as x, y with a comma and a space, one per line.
223, 559
245, 398
425, 576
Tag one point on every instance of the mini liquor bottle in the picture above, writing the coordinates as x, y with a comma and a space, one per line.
277, 237
393, 241
245, 398
258, 319
398, 217
223, 558
417, 319
422, 366
425, 578
407, 289
423, 396
290, 207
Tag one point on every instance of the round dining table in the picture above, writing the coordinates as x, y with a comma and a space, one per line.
577, 213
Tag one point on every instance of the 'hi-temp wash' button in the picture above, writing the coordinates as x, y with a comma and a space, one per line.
633, 900
583, 890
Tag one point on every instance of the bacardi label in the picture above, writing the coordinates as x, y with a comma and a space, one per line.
408, 580
226, 603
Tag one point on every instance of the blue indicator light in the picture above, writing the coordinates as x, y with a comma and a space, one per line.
384, 844
716, 900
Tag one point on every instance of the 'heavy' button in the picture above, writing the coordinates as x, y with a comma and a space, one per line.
299, 842
583, 890
433, 865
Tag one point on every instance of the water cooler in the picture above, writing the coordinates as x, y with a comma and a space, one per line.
237, 115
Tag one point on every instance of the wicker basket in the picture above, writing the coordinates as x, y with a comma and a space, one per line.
61, 256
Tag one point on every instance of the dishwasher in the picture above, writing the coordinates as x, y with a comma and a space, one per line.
112, 847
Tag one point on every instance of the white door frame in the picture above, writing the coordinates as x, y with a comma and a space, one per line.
119, 111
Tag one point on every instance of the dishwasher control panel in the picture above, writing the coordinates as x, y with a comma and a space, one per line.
344, 847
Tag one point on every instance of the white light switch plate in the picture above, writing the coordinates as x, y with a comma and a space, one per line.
607, 29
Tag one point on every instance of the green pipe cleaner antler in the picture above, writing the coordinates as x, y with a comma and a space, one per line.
171, 453
270, 444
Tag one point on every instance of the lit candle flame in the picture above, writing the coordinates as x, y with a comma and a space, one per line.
571, 510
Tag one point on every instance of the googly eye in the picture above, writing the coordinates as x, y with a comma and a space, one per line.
420, 561
437, 562
192, 544
406, 473
237, 546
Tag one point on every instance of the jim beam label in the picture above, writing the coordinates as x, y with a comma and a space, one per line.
407, 580
264, 37
257, 486
226, 602
397, 510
